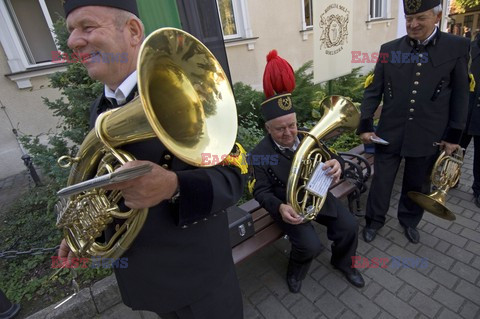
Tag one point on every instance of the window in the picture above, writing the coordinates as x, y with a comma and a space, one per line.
378, 9
307, 14
233, 16
32, 21
468, 21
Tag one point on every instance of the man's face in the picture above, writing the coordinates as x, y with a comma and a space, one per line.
94, 35
283, 129
421, 25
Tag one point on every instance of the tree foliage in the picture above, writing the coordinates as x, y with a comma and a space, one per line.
460, 6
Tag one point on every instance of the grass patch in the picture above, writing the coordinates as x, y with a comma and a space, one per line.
30, 223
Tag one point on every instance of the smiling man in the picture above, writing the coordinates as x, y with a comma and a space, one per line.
180, 264
424, 105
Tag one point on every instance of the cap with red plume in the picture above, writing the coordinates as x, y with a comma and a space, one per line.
278, 83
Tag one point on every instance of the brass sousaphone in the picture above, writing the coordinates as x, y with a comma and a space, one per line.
185, 100
339, 113
445, 174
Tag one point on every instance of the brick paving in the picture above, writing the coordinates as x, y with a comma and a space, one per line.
447, 285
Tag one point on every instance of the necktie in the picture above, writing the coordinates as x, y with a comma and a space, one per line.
114, 103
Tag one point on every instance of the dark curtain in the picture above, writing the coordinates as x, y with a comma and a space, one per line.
200, 18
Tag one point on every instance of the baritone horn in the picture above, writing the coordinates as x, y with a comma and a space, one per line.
339, 113
445, 175
185, 100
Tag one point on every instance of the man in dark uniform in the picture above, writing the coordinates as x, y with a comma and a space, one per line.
424, 86
180, 264
275, 152
472, 128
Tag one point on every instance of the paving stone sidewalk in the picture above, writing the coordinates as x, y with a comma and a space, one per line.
446, 286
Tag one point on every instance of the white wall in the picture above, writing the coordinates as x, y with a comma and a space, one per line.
27, 113
277, 24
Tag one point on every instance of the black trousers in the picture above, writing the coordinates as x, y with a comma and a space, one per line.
416, 177
342, 230
224, 301
476, 160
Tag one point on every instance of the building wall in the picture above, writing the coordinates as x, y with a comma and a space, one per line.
26, 112
281, 29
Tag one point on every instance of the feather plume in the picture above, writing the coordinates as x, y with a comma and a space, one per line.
278, 76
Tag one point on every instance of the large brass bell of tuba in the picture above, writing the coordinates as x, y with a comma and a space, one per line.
445, 174
185, 100
339, 113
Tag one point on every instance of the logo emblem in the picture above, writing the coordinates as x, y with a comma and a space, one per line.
334, 28
411, 6
285, 103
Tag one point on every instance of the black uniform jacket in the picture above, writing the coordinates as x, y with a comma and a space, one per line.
170, 265
473, 122
425, 94
271, 170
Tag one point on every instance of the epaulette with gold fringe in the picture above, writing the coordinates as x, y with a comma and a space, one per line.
238, 158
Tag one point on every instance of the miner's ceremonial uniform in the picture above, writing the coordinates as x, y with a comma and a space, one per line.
472, 129
425, 99
183, 247
272, 174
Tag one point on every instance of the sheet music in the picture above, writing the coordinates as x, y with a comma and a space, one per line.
320, 182
107, 179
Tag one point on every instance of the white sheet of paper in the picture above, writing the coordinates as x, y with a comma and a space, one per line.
319, 181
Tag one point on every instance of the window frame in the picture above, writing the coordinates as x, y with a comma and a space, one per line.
15, 27
242, 22
22, 69
385, 10
304, 20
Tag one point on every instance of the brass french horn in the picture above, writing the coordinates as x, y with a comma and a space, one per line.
445, 174
339, 113
185, 100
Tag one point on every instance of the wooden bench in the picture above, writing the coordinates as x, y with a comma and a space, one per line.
358, 169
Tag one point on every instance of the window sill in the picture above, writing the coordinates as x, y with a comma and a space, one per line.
22, 78
387, 21
306, 33
250, 42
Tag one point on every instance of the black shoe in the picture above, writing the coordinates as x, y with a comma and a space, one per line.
477, 201
369, 234
354, 277
412, 235
294, 285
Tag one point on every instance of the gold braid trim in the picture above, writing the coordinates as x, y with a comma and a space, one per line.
472, 82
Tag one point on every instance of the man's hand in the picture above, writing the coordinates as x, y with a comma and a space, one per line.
366, 137
65, 252
147, 190
336, 169
449, 148
289, 215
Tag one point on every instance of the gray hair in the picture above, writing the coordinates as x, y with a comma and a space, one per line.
122, 16
437, 9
